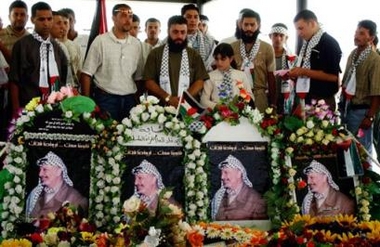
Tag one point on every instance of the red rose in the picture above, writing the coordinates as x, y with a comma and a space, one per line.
366, 180
301, 184
300, 240
36, 238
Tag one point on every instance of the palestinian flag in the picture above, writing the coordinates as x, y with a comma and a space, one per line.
99, 23
190, 107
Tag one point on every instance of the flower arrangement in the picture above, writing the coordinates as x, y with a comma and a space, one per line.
326, 231
161, 227
73, 108
195, 180
229, 110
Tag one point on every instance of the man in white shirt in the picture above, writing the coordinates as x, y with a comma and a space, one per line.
114, 63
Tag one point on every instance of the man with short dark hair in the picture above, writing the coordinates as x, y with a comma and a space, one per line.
317, 69
38, 65
152, 30
361, 87
174, 67
135, 27
202, 43
256, 58
18, 16
114, 63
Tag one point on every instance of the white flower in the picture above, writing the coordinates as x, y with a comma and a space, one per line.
168, 194
170, 109
114, 189
99, 127
63, 244
19, 189
310, 124
18, 160
116, 180
192, 206
135, 119
132, 204
200, 162
127, 122
153, 115
69, 114
40, 108
161, 118
19, 148
169, 125
145, 116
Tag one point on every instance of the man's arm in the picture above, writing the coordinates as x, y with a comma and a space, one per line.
272, 89
85, 82
313, 74
157, 91
6, 53
196, 88
14, 91
370, 115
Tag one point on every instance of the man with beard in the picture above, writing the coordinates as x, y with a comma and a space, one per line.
174, 67
114, 62
256, 58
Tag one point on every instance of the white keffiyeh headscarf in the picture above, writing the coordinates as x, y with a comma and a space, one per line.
48, 67
184, 74
53, 160
146, 167
316, 167
230, 162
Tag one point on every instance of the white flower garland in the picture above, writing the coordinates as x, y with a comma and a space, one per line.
195, 180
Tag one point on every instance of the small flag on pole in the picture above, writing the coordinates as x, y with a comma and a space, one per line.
190, 107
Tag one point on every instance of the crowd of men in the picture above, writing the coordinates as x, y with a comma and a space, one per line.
118, 67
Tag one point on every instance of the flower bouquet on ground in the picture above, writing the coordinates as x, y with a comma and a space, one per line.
159, 228
326, 231
66, 227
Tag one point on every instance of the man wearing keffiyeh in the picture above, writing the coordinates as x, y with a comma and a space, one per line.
317, 68
174, 67
361, 88
148, 184
54, 188
38, 65
236, 199
324, 197
256, 58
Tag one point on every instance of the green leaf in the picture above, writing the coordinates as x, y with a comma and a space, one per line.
292, 123
78, 105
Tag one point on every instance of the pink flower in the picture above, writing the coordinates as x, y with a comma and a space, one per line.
67, 91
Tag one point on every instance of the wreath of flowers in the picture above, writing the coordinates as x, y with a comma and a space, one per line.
317, 132
195, 178
13, 198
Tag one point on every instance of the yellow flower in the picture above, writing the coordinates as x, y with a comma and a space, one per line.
292, 172
33, 103
16, 243
292, 137
309, 141
88, 236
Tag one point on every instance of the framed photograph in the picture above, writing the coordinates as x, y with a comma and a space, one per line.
165, 166
55, 176
248, 162
321, 188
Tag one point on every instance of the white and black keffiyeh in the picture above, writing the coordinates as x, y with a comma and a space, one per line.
48, 66
279, 29
316, 167
306, 49
53, 160
225, 88
247, 64
198, 42
146, 167
230, 162
349, 84
184, 74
